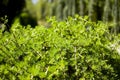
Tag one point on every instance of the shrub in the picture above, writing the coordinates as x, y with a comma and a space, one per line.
75, 49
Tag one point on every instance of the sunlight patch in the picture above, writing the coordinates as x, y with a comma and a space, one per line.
34, 1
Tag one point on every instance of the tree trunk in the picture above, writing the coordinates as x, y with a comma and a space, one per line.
81, 6
106, 12
91, 10
116, 16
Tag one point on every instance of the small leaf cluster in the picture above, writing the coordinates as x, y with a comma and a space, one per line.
74, 49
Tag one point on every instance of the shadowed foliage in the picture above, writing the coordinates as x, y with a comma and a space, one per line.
11, 9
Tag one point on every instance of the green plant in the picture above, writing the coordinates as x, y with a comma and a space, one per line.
76, 49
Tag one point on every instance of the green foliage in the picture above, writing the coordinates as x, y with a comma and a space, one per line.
76, 49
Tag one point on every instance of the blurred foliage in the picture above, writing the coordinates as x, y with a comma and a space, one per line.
27, 19
104, 10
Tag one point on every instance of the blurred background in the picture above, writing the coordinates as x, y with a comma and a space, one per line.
34, 12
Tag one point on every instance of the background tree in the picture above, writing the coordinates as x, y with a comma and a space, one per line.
116, 16
81, 6
11, 8
107, 11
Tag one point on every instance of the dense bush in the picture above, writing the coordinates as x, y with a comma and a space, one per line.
75, 49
